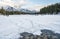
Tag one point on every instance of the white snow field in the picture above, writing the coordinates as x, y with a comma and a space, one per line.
11, 26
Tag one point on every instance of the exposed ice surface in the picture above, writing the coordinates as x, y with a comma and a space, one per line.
11, 26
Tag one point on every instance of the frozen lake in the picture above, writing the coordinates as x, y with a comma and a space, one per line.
11, 26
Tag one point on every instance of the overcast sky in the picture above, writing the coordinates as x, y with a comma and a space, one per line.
30, 4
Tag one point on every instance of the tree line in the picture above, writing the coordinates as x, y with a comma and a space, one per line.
51, 9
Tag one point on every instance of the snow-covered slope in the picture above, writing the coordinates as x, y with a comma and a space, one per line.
11, 26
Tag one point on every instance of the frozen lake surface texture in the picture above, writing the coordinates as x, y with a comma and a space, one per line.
11, 26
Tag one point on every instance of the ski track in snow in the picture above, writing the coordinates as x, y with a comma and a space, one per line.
11, 26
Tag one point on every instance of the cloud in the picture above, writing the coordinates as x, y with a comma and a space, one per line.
12, 3
7, 2
20, 3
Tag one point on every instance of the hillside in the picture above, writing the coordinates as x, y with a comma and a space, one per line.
51, 9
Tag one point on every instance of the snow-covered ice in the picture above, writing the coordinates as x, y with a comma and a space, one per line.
11, 26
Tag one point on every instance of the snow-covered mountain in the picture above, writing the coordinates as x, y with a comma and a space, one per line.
9, 8
27, 11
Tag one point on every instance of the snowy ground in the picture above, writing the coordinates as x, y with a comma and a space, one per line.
11, 26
